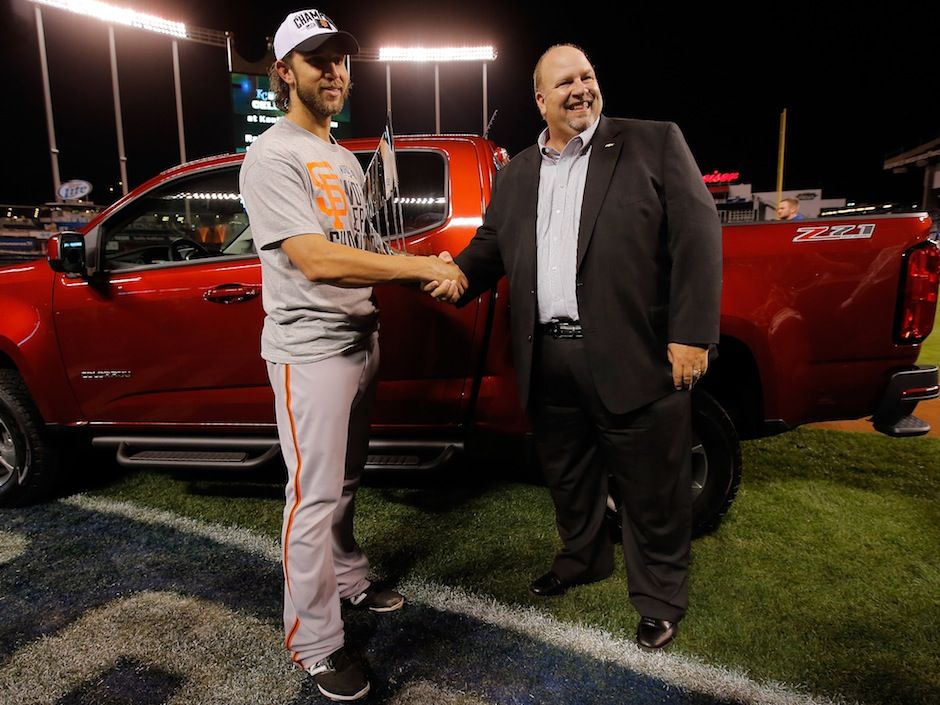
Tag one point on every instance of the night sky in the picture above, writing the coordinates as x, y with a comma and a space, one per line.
858, 86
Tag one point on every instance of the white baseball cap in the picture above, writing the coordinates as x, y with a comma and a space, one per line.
305, 30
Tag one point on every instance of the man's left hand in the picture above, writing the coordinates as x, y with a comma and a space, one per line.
689, 364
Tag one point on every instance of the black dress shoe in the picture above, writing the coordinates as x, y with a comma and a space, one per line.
653, 634
548, 585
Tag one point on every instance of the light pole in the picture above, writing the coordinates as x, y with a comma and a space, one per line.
118, 119
483, 54
47, 95
781, 150
114, 15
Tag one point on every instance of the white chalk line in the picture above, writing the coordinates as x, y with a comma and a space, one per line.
678, 670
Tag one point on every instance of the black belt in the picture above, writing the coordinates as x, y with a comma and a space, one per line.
561, 329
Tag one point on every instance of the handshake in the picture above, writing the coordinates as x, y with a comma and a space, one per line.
443, 279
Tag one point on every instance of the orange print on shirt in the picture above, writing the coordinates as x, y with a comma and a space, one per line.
334, 204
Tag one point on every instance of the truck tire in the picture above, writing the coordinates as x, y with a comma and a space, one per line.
27, 459
716, 468
716, 463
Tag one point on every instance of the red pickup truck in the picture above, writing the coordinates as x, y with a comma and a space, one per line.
142, 333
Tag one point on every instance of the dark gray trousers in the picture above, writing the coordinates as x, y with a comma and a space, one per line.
645, 452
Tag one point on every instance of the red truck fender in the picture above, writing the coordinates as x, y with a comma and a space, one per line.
28, 341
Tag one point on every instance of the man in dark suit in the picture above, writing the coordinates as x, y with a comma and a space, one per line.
612, 246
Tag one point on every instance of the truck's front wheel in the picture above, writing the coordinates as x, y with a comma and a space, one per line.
27, 460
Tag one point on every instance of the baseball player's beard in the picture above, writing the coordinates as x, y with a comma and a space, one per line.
320, 106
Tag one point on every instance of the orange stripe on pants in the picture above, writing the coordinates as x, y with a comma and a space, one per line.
293, 433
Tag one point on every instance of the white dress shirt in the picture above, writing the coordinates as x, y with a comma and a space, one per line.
561, 192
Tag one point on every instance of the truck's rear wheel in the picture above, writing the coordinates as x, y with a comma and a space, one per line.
716, 463
27, 460
716, 467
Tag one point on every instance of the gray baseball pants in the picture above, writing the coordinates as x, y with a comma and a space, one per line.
323, 413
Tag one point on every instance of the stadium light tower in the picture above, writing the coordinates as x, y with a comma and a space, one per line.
483, 54
113, 15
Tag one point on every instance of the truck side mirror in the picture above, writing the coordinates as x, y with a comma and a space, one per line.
67, 252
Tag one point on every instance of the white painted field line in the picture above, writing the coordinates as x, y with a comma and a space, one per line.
234, 536
677, 670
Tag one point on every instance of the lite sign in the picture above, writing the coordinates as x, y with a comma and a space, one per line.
74, 190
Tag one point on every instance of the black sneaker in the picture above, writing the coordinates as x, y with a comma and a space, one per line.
378, 599
339, 677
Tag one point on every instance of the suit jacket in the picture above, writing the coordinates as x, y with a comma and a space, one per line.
649, 258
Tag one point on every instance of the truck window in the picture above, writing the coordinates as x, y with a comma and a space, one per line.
190, 218
422, 185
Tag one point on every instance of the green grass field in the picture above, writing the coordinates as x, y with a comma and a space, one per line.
824, 574
930, 352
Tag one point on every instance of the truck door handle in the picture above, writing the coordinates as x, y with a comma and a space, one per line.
231, 293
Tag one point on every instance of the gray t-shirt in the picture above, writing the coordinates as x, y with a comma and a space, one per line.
293, 183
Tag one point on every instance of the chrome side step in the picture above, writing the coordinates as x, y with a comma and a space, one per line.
177, 456
410, 456
245, 453
169, 452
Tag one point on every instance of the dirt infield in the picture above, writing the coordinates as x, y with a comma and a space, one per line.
928, 411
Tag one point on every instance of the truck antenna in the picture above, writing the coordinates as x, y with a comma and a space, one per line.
486, 132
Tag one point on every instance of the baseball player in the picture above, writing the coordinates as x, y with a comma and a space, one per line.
303, 194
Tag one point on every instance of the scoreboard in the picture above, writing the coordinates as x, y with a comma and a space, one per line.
253, 111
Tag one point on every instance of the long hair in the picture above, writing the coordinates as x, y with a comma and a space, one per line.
280, 89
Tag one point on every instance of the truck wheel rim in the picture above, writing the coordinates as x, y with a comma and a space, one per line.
8, 456
699, 470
